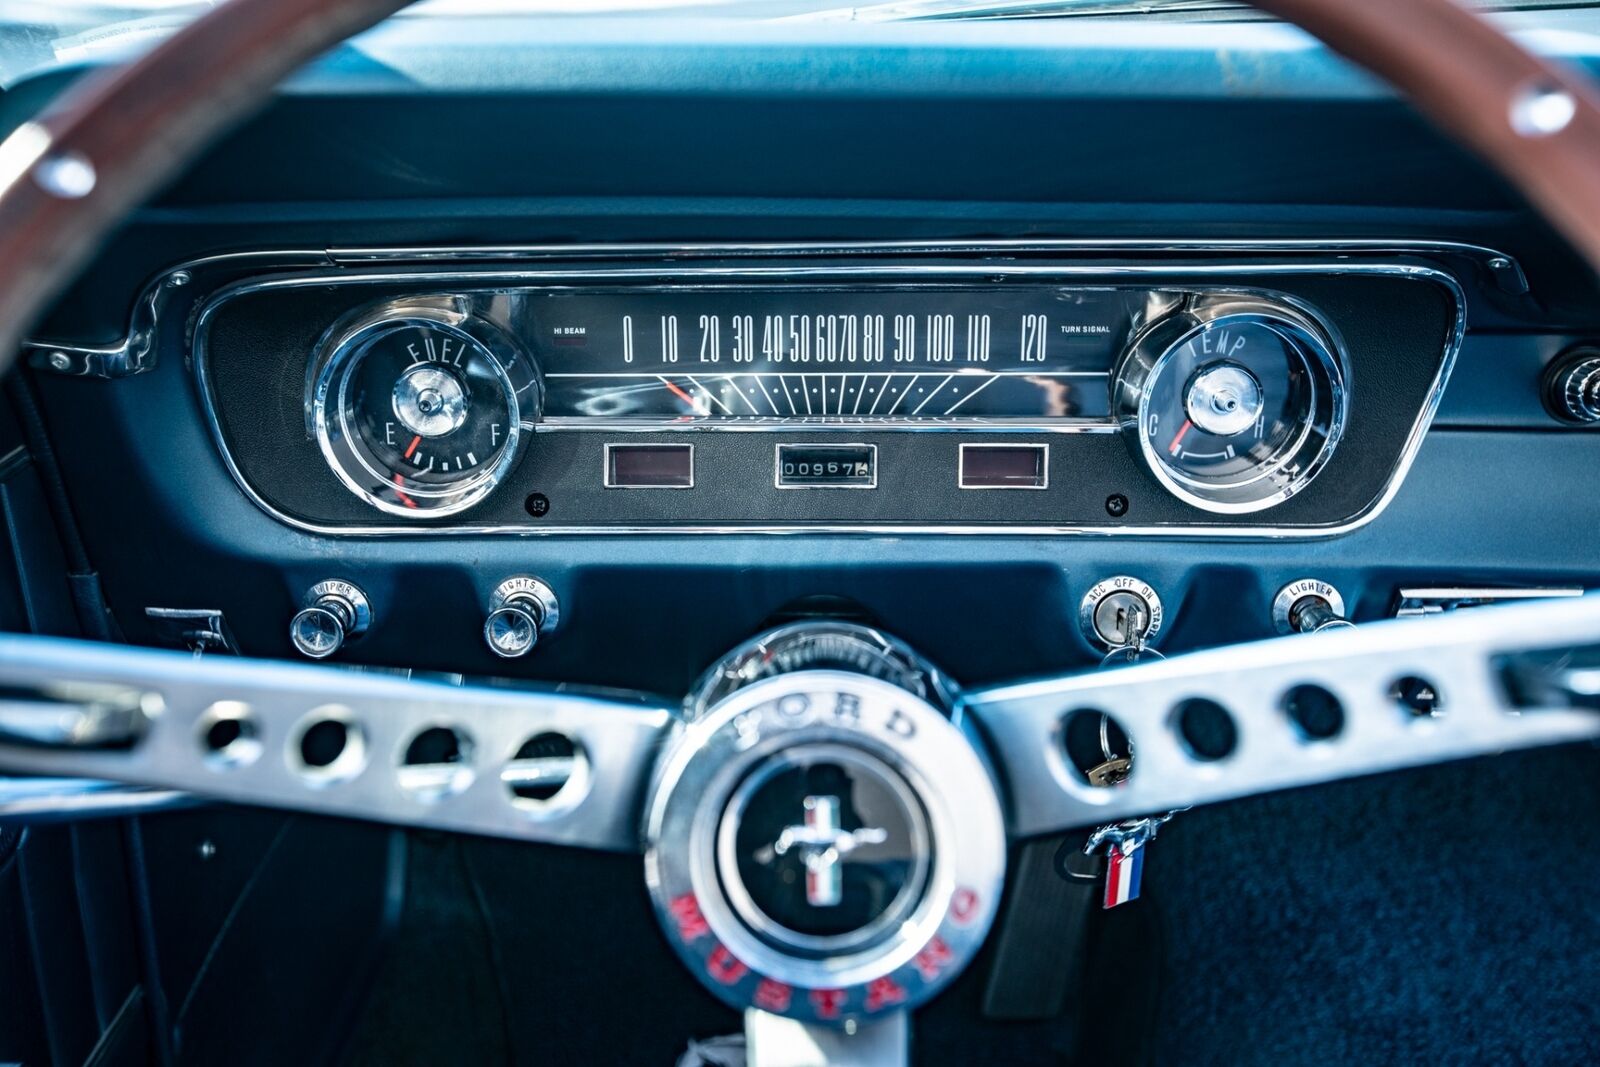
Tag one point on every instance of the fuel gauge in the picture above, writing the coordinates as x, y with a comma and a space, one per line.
420, 410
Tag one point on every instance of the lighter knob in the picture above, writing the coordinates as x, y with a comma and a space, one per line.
1308, 606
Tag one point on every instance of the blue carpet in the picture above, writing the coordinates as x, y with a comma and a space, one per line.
1447, 915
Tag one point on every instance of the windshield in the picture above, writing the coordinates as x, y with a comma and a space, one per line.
39, 34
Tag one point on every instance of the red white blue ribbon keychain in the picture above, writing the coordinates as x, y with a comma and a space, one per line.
1124, 868
1124, 843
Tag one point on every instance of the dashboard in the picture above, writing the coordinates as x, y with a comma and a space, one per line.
649, 252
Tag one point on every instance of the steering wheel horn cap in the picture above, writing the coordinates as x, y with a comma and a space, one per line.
824, 846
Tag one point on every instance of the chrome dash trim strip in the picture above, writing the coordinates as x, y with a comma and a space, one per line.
1504, 268
881, 271
136, 352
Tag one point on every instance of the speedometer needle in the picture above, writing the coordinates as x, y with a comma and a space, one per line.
1172, 449
687, 399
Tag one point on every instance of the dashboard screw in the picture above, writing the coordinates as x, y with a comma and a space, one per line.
60, 361
178, 279
538, 505
1116, 505
207, 850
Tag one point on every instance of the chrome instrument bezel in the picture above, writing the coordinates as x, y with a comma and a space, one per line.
338, 354
498, 266
1315, 340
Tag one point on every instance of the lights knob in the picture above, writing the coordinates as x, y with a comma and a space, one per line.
1307, 606
1572, 386
333, 612
520, 611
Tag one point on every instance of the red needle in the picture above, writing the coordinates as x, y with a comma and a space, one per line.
1172, 450
686, 397
415, 441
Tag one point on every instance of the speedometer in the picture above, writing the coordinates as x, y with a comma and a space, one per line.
814, 358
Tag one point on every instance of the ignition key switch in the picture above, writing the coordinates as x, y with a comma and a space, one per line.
1120, 613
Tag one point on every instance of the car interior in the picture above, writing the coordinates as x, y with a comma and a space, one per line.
792, 534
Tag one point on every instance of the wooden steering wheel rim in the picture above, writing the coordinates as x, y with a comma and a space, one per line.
69, 177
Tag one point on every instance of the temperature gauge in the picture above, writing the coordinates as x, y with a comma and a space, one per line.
419, 410
1235, 403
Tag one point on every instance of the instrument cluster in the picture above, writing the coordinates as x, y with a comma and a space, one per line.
1194, 396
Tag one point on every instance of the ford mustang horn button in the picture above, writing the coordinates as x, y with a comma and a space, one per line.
800, 859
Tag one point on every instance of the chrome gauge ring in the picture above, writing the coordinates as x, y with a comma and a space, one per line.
419, 409
1234, 402
825, 846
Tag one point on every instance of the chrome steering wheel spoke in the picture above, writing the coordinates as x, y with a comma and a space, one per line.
534, 765
1387, 696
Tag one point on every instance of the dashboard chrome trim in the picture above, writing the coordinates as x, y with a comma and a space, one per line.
1505, 269
135, 353
676, 269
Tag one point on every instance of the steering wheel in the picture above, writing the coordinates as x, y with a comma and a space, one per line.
882, 772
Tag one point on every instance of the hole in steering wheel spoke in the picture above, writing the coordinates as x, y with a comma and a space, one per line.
229, 736
1417, 697
437, 764
1097, 748
1206, 729
1315, 712
549, 772
329, 746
